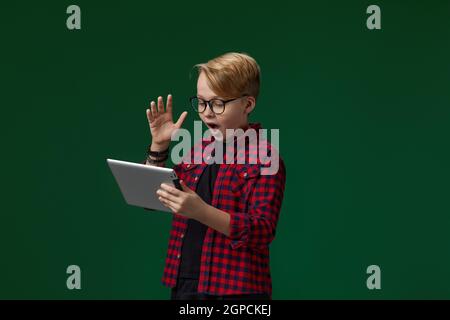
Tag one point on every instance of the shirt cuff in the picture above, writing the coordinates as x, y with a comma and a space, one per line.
239, 229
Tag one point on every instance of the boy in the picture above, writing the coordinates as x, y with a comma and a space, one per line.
226, 214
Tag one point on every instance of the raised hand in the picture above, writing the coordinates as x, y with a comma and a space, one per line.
161, 122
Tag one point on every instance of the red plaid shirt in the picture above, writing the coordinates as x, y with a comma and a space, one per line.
239, 263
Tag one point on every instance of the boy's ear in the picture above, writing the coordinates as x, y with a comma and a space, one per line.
250, 105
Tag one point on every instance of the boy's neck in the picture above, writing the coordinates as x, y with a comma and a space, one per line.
245, 126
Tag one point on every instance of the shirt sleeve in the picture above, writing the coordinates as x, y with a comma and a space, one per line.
256, 228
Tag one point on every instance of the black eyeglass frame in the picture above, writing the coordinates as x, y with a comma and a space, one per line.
209, 103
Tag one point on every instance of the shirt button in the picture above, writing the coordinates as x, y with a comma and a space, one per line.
244, 174
182, 235
178, 256
196, 178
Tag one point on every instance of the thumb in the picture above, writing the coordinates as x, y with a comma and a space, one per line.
181, 119
185, 187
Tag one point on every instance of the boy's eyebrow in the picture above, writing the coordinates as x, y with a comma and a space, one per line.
214, 97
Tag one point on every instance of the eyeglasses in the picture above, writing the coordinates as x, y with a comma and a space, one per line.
216, 105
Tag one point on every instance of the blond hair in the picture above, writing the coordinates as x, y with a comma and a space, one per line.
232, 75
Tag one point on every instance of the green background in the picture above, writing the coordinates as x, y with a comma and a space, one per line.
364, 125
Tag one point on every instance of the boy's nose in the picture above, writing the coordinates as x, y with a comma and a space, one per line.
208, 112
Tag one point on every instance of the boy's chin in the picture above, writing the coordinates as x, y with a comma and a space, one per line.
217, 134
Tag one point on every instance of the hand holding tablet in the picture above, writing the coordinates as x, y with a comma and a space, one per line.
139, 182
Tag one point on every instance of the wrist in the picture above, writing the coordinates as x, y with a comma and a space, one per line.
202, 212
159, 146
157, 154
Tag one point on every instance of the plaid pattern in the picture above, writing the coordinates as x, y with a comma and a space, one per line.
238, 264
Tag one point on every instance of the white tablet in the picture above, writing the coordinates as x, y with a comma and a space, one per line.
139, 182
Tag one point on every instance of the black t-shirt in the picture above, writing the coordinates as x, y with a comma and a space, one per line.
193, 239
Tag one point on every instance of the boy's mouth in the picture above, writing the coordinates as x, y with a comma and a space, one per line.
212, 126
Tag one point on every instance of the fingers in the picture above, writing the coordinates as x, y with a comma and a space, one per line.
150, 117
175, 208
167, 196
160, 105
171, 190
169, 103
181, 119
158, 109
153, 109
167, 204
164, 201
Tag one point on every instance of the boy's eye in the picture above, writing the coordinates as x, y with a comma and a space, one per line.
217, 104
